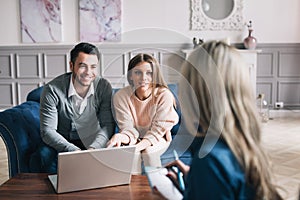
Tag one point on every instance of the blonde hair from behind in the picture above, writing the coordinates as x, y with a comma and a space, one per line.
223, 94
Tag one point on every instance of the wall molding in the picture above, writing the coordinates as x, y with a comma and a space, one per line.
284, 70
18, 76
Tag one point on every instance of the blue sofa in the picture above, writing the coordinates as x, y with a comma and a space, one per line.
20, 131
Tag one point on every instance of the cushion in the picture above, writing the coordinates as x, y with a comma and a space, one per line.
35, 94
174, 89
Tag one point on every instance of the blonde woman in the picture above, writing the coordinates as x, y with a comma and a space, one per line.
145, 112
219, 110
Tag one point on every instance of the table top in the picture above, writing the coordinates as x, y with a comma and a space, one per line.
38, 186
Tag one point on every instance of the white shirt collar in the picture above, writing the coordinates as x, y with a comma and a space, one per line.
73, 92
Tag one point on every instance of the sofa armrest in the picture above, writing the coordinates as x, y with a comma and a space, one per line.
20, 131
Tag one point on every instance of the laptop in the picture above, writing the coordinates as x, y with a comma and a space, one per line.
90, 169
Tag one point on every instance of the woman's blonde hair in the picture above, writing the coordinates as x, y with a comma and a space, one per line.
220, 82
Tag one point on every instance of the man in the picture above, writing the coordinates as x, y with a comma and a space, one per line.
75, 108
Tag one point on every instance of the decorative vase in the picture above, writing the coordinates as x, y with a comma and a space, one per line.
250, 41
263, 108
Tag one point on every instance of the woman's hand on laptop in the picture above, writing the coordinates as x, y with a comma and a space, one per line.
117, 140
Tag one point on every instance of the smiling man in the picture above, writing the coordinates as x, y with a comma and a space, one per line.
76, 107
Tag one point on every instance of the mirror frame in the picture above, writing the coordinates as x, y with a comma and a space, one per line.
200, 21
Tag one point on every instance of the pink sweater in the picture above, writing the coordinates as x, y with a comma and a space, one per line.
152, 118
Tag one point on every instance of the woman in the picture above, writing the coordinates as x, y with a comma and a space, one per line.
145, 112
229, 161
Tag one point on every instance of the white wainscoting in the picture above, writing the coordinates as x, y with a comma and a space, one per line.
25, 67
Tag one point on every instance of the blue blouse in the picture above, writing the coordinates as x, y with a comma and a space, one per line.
218, 175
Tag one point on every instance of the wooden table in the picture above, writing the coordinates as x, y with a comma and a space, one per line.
37, 186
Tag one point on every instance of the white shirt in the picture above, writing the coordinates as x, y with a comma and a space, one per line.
79, 103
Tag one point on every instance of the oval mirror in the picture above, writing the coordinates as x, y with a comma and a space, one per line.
217, 15
217, 9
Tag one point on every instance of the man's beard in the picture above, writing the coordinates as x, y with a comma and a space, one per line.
77, 80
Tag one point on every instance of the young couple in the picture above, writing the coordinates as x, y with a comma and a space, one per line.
77, 110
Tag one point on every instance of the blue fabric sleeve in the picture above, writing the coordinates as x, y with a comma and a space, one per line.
217, 176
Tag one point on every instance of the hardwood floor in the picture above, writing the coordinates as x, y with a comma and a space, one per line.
281, 138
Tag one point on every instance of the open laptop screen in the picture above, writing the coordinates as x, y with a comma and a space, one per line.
90, 169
